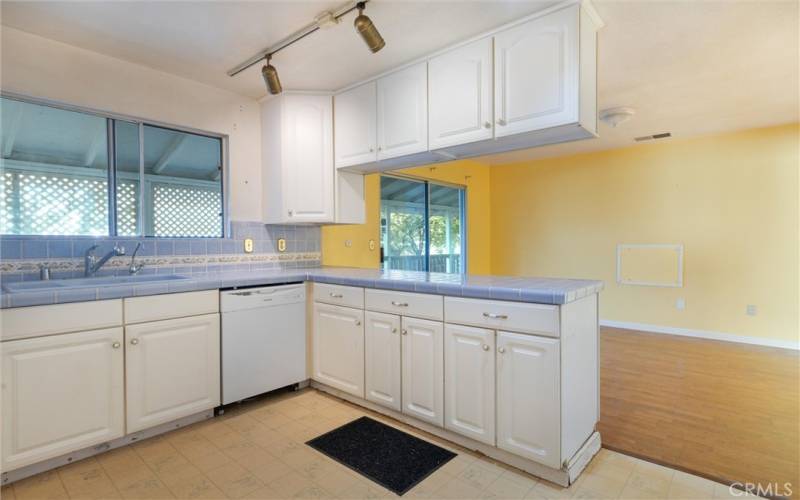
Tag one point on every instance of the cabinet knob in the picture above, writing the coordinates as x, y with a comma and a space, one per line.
358, 323
371, 150
404, 331
134, 341
485, 347
116, 345
487, 125
291, 212
501, 350
501, 122
394, 330
380, 148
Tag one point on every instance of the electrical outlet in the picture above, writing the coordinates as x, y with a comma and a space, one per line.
680, 304
348, 243
751, 310
248, 245
282, 245
372, 244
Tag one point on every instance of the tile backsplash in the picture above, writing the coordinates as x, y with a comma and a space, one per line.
20, 256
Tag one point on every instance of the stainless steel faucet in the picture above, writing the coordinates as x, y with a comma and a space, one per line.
134, 268
91, 264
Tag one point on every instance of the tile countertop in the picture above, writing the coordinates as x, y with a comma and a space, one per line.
520, 289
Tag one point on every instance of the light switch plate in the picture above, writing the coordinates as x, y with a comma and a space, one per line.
282, 244
248, 245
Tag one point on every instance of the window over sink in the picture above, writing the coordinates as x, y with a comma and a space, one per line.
72, 172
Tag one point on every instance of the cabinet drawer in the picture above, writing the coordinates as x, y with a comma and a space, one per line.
339, 295
26, 322
418, 305
168, 306
540, 319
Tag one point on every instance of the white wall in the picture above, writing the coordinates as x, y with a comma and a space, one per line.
43, 68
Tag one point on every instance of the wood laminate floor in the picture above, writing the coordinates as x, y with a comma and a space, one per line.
727, 411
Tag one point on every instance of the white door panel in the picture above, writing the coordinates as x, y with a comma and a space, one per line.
355, 126
339, 348
382, 360
423, 370
403, 112
528, 404
469, 382
61, 393
172, 369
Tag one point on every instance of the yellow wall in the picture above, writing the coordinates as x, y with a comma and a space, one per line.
474, 175
731, 200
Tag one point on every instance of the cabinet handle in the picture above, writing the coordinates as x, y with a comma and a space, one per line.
400, 304
501, 350
495, 316
134, 341
485, 347
336, 295
404, 331
501, 122
358, 323
116, 345
487, 125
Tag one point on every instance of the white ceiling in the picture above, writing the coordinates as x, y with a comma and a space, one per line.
688, 67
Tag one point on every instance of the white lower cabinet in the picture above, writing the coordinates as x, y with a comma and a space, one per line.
172, 369
61, 393
423, 369
382, 360
469, 382
528, 403
338, 356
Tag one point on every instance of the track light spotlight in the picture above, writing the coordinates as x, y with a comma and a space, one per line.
270, 75
367, 30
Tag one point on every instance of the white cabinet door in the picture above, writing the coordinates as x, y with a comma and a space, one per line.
339, 348
403, 112
172, 369
61, 393
528, 414
423, 370
382, 360
469, 382
460, 93
354, 124
536, 73
308, 158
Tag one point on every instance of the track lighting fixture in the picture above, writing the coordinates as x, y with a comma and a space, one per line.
367, 30
270, 75
363, 24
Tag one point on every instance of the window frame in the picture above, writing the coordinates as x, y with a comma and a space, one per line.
463, 195
111, 119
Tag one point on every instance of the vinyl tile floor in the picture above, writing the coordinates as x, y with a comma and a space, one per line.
257, 450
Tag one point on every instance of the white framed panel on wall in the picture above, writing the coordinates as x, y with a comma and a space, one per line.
650, 264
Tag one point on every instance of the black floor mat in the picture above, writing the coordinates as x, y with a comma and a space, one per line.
390, 457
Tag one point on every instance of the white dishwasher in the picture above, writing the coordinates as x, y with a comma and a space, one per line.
263, 340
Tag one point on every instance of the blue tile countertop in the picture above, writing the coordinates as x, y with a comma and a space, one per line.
539, 290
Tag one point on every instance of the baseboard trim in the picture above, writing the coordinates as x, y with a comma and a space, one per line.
702, 334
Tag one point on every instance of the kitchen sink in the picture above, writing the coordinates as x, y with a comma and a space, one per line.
89, 282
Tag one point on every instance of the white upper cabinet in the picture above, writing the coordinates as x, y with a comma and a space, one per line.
528, 401
61, 393
536, 73
355, 126
297, 158
460, 93
403, 112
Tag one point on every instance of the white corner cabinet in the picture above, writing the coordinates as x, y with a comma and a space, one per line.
529, 83
518, 381
299, 183
77, 375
